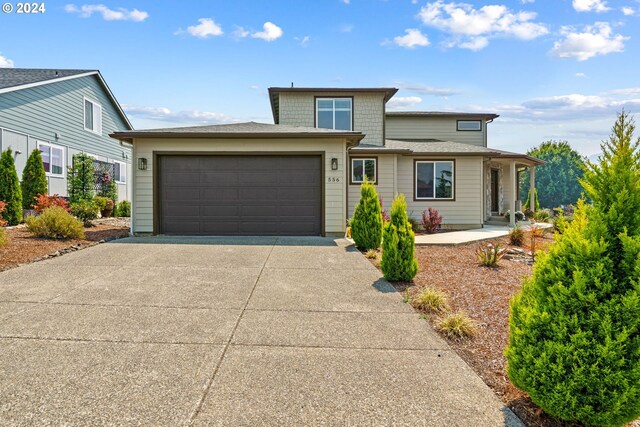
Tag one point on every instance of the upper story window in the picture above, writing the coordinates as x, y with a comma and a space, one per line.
92, 116
434, 180
471, 125
334, 113
52, 158
120, 172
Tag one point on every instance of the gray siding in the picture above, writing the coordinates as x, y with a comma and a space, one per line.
39, 113
444, 128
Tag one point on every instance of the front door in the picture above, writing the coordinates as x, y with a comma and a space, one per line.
495, 191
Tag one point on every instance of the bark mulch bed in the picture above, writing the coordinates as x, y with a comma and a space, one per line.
24, 248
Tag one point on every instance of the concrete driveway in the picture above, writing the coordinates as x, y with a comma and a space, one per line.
229, 332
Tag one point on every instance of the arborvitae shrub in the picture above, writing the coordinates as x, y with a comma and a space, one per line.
34, 180
366, 225
574, 342
527, 204
10, 191
398, 245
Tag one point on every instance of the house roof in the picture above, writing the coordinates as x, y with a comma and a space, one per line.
13, 79
460, 115
436, 147
238, 130
275, 91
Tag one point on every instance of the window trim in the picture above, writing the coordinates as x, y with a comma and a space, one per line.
84, 115
122, 165
433, 199
351, 159
468, 130
315, 110
64, 162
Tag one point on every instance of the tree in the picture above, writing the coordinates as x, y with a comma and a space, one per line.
81, 178
34, 180
398, 245
574, 342
10, 188
366, 225
558, 179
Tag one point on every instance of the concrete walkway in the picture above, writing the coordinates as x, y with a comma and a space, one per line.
226, 332
454, 238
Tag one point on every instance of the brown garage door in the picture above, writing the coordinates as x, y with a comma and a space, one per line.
240, 195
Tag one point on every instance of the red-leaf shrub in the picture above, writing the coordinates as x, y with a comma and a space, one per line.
2, 207
431, 220
385, 214
44, 201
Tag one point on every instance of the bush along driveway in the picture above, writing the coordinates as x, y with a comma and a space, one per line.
267, 331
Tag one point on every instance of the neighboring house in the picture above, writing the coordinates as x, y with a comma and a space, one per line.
301, 175
63, 113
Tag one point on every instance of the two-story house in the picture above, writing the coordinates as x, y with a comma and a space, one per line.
301, 175
62, 113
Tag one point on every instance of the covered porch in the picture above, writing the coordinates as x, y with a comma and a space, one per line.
501, 183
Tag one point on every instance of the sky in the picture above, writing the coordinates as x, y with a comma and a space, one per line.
551, 69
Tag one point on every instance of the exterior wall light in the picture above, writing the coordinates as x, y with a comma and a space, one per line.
334, 164
142, 164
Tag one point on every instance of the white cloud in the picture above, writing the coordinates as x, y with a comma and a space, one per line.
303, 41
6, 62
346, 1
426, 90
119, 14
628, 11
269, 33
403, 101
598, 6
240, 32
411, 39
527, 1
472, 28
629, 91
581, 75
596, 39
185, 117
205, 28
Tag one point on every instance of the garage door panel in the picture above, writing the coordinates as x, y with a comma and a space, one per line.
240, 195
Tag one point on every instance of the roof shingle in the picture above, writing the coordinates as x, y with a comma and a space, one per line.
10, 77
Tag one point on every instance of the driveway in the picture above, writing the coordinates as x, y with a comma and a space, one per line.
229, 332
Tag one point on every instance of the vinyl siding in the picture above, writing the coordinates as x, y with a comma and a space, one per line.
384, 186
433, 127
298, 109
335, 209
41, 112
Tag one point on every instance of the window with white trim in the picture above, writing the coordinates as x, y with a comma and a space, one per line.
469, 125
434, 180
92, 116
361, 168
334, 113
120, 172
52, 158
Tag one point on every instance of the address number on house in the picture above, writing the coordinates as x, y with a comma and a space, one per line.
333, 179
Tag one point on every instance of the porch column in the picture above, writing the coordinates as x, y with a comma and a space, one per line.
532, 187
513, 191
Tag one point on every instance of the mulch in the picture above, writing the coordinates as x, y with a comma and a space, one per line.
24, 248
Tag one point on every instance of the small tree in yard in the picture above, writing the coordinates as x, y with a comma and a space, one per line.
81, 178
574, 342
10, 191
431, 220
34, 180
366, 225
398, 245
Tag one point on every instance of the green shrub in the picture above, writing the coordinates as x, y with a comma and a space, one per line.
528, 202
371, 254
366, 225
560, 221
415, 224
34, 180
101, 202
4, 239
85, 210
81, 178
398, 245
456, 326
55, 223
516, 236
542, 215
123, 209
10, 191
489, 254
574, 342
430, 299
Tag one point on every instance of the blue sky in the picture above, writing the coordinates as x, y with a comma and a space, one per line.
552, 69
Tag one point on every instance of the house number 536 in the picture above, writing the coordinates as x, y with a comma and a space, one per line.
333, 179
